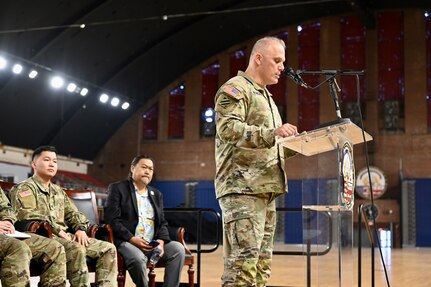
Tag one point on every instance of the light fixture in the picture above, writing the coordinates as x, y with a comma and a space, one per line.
57, 82
3, 63
427, 14
104, 98
299, 28
115, 101
207, 122
125, 105
71, 84
71, 87
17, 69
32, 74
209, 115
84, 92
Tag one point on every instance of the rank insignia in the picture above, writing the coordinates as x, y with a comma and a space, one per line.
225, 101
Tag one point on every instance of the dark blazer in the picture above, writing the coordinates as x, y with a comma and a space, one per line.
121, 211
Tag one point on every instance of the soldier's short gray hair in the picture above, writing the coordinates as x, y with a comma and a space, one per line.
263, 42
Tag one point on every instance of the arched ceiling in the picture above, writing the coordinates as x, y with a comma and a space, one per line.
130, 48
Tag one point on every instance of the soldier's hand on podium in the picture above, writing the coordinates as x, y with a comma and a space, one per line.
286, 130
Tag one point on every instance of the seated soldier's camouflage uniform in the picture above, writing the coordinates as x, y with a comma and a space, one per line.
15, 261
31, 201
48, 253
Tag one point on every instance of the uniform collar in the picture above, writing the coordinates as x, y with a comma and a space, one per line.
40, 185
255, 85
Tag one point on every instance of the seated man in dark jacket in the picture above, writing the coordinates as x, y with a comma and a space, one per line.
135, 211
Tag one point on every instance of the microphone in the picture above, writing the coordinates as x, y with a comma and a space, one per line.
289, 72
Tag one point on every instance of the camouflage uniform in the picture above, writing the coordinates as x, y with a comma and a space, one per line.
47, 253
31, 200
249, 175
15, 261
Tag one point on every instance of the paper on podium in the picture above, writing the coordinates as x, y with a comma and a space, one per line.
325, 138
18, 234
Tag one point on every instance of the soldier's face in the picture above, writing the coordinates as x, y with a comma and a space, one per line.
272, 59
45, 164
142, 172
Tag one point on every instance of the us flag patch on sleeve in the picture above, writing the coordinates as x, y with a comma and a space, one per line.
25, 193
231, 91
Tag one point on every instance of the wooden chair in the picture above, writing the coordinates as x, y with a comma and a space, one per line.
85, 201
177, 234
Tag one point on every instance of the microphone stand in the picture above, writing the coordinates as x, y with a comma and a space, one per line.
333, 86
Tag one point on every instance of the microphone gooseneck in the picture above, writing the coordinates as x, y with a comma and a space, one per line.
289, 72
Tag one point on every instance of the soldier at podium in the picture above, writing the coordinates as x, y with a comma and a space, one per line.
249, 165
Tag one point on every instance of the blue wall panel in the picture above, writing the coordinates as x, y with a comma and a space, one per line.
205, 196
423, 212
173, 192
174, 196
293, 220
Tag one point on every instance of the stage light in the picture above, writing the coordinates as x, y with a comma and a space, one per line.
299, 28
71, 87
115, 101
125, 105
71, 84
57, 82
17, 69
104, 98
427, 14
207, 122
84, 92
3, 63
32, 74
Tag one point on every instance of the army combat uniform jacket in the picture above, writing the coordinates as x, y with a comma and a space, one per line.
31, 201
46, 252
14, 254
247, 159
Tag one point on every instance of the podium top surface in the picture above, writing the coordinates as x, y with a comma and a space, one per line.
325, 138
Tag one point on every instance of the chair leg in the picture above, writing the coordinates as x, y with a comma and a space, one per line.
152, 277
191, 273
121, 280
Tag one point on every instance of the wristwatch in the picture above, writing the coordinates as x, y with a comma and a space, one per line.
82, 227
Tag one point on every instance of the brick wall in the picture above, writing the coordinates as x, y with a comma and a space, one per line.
193, 158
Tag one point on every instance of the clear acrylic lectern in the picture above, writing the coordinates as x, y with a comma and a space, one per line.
327, 200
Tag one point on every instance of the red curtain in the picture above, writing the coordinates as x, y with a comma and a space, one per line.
150, 122
353, 57
390, 37
308, 52
176, 112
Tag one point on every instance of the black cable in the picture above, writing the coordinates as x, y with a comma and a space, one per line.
369, 180
165, 17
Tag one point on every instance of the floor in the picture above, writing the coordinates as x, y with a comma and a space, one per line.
405, 267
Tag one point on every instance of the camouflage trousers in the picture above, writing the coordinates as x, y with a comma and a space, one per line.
248, 237
103, 252
15, 261
51, 258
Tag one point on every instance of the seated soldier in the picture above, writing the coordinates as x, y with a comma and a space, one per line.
15, 258
48, 253
37, 198
135, 211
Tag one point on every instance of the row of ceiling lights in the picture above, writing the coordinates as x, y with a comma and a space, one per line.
58, 82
